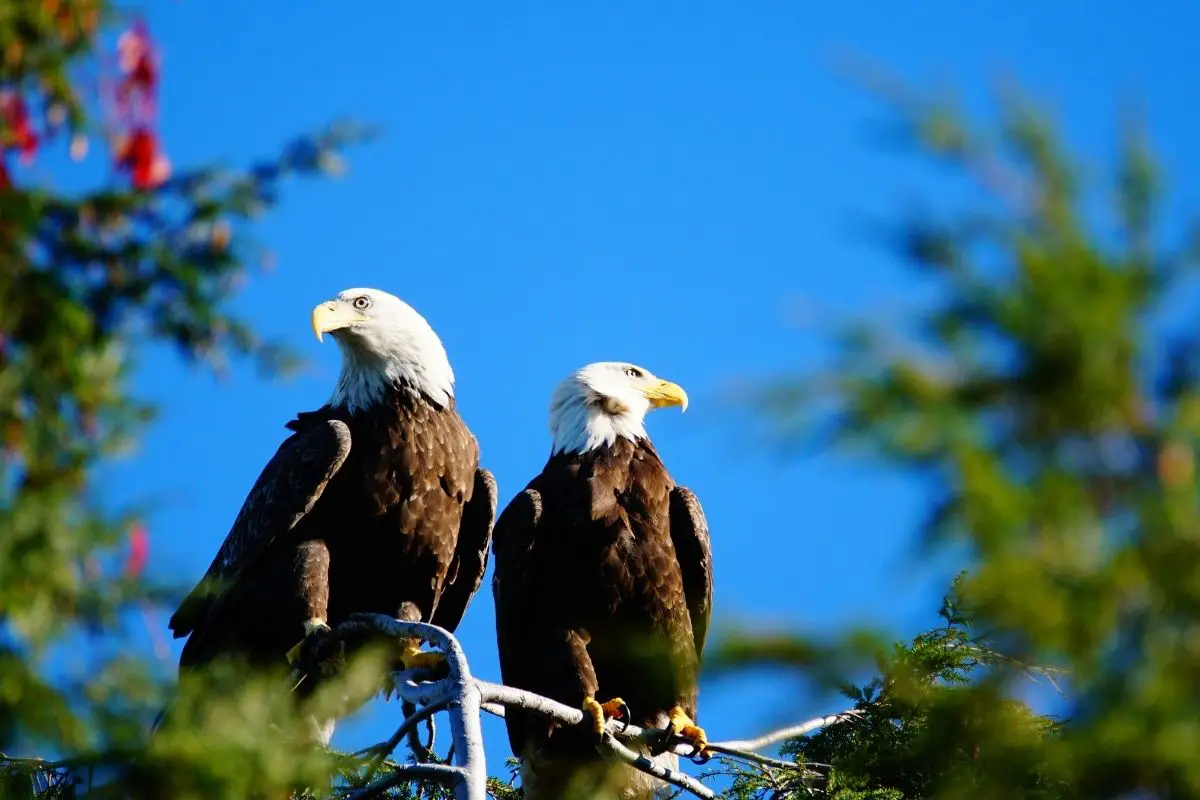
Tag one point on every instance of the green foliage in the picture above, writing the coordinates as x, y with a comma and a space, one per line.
1049, 396
153, 258
936, 720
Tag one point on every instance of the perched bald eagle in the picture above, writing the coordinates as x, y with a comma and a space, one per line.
375, 503
603, 585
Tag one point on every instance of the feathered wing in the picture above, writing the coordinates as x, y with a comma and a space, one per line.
689, 533
470, 554
514, 537
285, 491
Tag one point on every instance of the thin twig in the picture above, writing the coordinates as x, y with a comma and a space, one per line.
755, 758
447, 775
651, 767
768, 739
410, 724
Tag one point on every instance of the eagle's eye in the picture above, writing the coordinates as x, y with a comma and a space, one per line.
362, 303
634, 372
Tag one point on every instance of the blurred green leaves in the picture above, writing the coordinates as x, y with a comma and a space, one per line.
1049, 396
86, 279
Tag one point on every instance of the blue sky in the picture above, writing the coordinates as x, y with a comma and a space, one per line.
665, 183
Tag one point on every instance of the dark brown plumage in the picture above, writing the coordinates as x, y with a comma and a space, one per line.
376, 503
603, 588
333, 528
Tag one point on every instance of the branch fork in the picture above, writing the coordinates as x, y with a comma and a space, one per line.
464, 697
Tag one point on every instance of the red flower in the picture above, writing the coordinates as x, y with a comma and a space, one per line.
21, 136
138, 62
138, 153
139, 551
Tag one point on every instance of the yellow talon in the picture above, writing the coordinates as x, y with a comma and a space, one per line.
311, 626
682, 725
600, 712
413, 657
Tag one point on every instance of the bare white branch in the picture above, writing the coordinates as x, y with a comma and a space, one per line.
464, 698
458, 690
803, 729
610, 743
638, 761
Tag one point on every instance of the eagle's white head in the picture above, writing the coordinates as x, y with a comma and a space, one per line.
384, 343
606, 401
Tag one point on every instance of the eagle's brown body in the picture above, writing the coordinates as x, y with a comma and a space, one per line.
603, 586
383, 510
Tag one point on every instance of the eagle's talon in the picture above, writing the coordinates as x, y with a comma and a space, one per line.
681, 725
601, 712
617, 709
412, 657
312, 627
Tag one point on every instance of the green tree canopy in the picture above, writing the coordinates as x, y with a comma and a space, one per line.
1049, 395
153, 254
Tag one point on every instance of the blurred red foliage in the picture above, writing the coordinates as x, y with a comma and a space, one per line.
139, 551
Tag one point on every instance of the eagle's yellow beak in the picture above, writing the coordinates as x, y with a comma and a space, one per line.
664, 393
333, 316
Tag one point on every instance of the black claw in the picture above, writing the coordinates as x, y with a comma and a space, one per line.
699, 756
625, 717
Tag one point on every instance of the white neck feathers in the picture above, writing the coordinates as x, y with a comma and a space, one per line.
382, 358
579, 424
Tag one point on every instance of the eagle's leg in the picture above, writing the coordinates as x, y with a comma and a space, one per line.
312, 576
409, 657
600, 712
315, 626
682, 725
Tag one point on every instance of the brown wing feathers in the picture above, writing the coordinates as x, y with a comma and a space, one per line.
607, 525
689, 532
285, 491
407, 522
471, 552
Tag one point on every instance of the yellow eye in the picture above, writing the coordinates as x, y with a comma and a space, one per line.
362, 303
634, 372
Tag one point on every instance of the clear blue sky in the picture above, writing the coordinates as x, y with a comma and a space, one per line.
663, 183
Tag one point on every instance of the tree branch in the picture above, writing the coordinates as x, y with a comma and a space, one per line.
768, 739
409, 725
464, 698
610, 743
458, 691
449, 776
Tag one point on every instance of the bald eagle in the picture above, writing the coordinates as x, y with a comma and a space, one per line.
375, 503
603, 585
